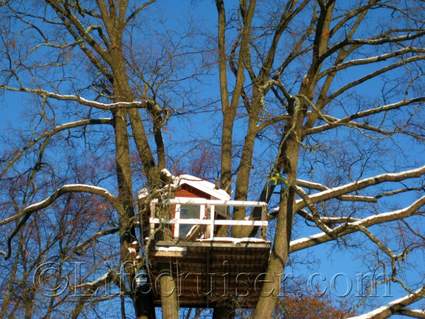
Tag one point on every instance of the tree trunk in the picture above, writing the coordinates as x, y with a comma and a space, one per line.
224, 312
271, 287
143, 306
279, 255
170, 307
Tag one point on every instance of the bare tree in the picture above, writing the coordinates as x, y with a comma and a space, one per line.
321, 117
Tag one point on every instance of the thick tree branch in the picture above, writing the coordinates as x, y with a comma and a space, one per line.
289, 13
83, 246
352, 14
350, 198
79, 99
222, 56
352, 227
346, 120
77, 31
26, 213
381, 39
48, 135
71, 20
322, 35
373, 59
394, 307
357, 185
374, 74
341, 56
229, 110
111, 275
138, 10
358, 125
268, 122
159, 118
413, 313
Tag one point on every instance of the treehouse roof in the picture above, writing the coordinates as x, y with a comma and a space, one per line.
198, 183
202, 185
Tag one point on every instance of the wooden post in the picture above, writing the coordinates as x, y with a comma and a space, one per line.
202, 212
263, 218
212, 220
177, 225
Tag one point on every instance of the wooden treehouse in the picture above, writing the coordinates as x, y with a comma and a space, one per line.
190, 238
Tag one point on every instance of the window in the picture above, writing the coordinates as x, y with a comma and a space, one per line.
187, 211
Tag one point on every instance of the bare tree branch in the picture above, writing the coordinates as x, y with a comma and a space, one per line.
384, 108
97, 56
98, 282
91, 287
394, 307
352, 227
373, 59
26, 213
378, 40
321, 187
357, 185
49, 134
374, 74
79, 99
66, 15
413, 313
139, 9
81, 247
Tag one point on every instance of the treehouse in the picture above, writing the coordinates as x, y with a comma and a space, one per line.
190, 238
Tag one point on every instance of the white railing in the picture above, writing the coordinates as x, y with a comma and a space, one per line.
211, 221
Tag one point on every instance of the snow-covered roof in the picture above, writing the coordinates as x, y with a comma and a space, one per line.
202, 185
193, 181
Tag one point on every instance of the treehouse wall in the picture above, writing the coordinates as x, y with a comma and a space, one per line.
189, 191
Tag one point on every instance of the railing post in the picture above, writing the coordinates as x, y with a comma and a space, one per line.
202, 212
263, 218
212, 220
177, 224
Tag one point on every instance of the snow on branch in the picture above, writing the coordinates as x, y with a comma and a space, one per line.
374, 74
25, 213
346, 120
315, 213
48, 134
357, 185
396, 307
111, 275
372, 59
70, 188
355, 226
83, 246
378, 40
328, 220
321, 187
83, 101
